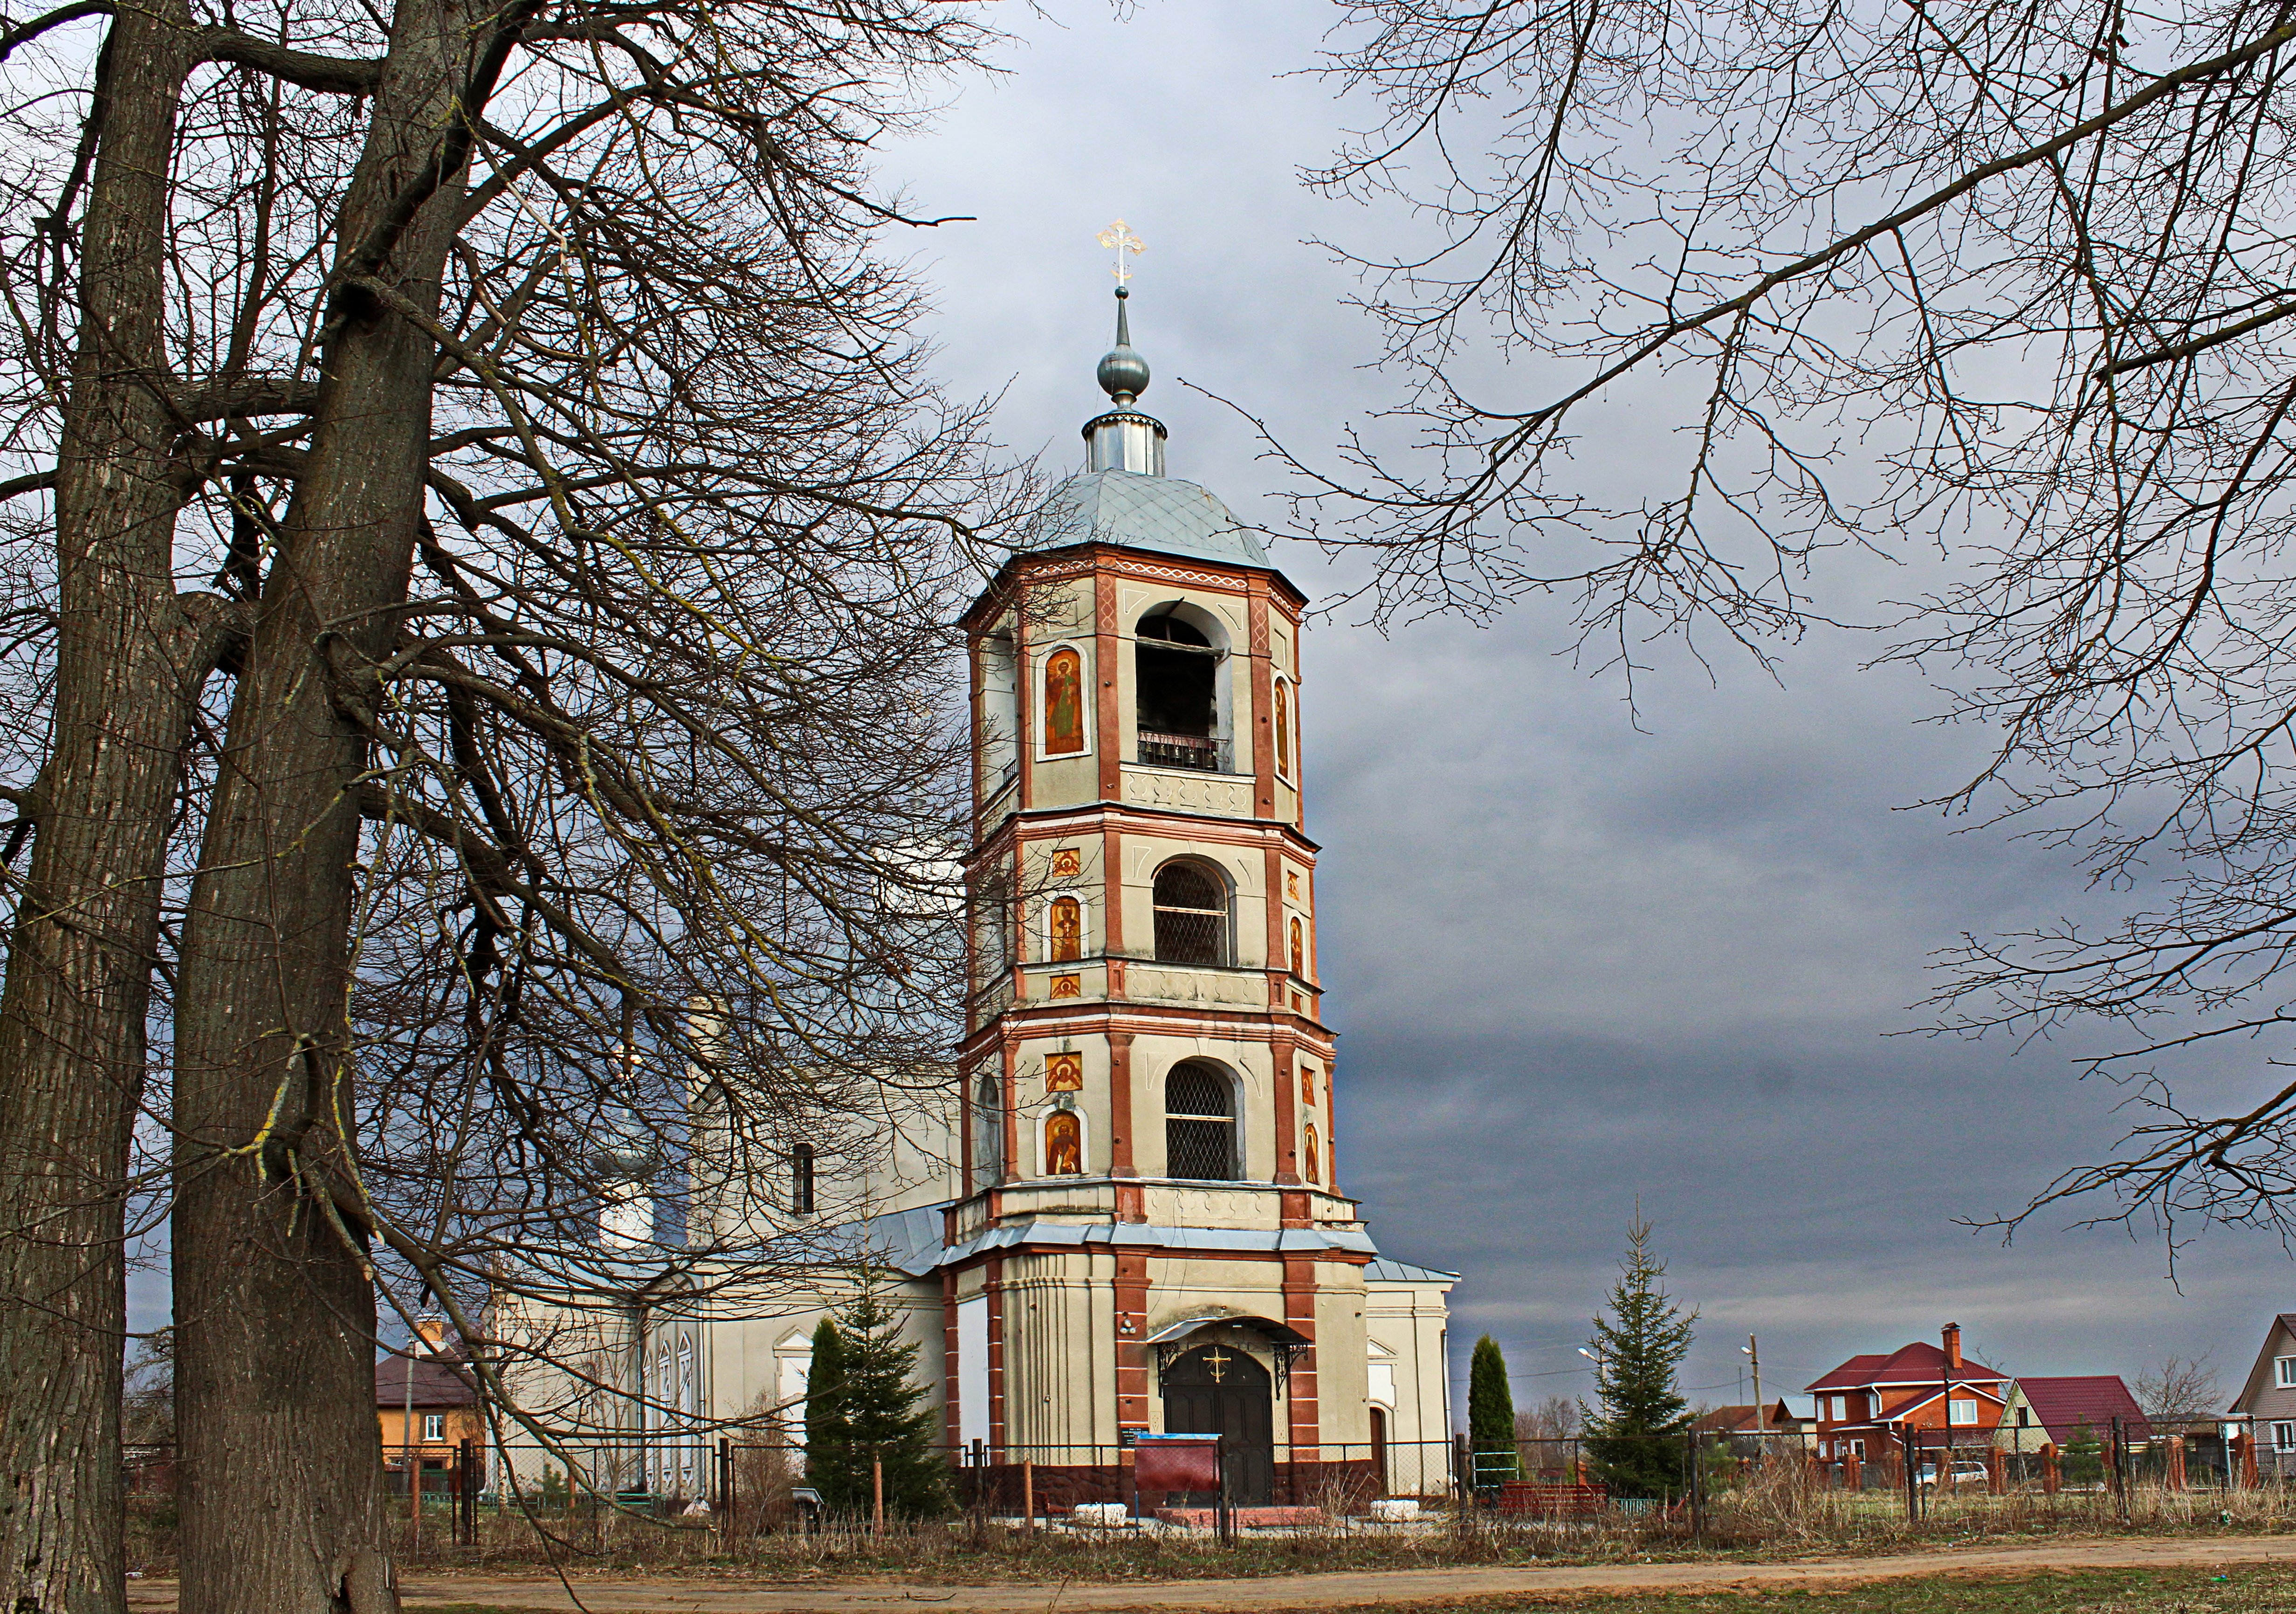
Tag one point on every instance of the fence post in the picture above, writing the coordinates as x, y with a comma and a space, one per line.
1912, 1475
1463, 1475
2175, 1476
1690, 1453
1997, 1471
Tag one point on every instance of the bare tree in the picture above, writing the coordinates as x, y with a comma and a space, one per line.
2179, 1390
2014, 282
586, 528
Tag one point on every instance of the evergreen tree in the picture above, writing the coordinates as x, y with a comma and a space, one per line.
866, 1405
1491, 1415
1635, 1430
827, 1432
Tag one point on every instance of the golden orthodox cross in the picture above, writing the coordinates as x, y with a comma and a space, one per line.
1118, 238
1218, 1364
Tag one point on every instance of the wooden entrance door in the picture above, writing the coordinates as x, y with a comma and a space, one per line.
1217, 1390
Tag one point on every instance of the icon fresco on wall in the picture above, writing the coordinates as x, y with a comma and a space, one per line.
1064, 703
1068, 986
1066, 925
1068, 862
1063, 1073
1063, 1145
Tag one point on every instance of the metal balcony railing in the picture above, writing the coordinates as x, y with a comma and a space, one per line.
1196, 751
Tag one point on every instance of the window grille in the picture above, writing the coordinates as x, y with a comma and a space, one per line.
1191, 916
801, 1179
1199, 1125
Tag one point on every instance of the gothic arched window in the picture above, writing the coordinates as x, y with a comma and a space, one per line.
1200, 1123
801, 1179
1298, 950
1064, 929
1063, 1144
1064, 703
1283, 731
1191, 903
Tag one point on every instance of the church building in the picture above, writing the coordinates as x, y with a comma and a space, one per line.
1126, 1216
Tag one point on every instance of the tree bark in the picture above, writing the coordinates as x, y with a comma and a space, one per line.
130, 658
280, 1497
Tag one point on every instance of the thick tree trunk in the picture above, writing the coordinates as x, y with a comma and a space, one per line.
129, 660
281, 1499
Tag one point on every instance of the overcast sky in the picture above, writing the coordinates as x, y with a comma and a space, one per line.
1573, 963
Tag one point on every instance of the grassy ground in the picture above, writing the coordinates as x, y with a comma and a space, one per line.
2243, 1589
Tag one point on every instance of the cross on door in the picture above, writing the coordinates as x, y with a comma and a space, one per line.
1217, 1364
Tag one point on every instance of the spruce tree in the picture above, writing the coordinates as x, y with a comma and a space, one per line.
1491, 1415
827, 1435
1635, 1430
870, 1413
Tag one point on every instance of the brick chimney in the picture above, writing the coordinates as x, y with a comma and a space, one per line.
1952, 1337
432, 1328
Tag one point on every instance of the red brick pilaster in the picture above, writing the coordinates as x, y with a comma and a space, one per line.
1108, 737
952, 1421
993, 1279
1263, 698
1131, 1288
1120, 1110
1304, 1418
1287, 1113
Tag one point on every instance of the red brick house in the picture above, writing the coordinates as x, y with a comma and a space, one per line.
1865, 1405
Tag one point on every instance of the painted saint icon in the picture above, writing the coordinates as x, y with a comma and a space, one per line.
1298, 950
1063, 1144
1307, 1084
1283, 731
1312, 1159
1063, 1073
1064, 703
1066, 925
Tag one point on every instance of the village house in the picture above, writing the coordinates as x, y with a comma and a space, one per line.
1866, 1405
428, 1406
2268, 1398
2060, 1411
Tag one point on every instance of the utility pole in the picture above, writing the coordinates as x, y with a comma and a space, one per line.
1753, 1348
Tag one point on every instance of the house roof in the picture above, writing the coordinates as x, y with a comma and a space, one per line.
1730, 1419
1386, 1271
1920, 1362
2259, 1376
439, 1382
2063, 1405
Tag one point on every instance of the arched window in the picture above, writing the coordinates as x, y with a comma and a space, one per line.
1283, 731
1175, 678
1191, 915
1311, 1158
1298, 950
1063, 1144
801, 1179
987, 1131
1200, 1123
1064, 703
1064, 928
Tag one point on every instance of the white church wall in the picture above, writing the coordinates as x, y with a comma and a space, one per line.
1410, 1320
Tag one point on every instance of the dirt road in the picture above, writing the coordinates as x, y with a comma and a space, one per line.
1279, 1593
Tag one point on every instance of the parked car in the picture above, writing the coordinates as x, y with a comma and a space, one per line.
1964, 1473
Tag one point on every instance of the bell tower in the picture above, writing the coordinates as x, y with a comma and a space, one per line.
1147, 1079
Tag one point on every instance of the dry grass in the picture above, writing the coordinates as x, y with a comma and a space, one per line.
1771, 1515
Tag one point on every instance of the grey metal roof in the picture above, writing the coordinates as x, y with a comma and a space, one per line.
1158, 513
1386, 1271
